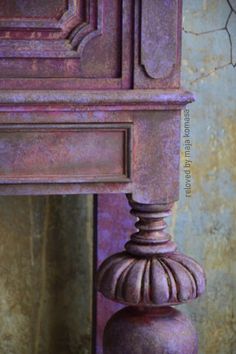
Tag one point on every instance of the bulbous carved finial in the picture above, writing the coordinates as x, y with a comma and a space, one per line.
150, 272
158, 280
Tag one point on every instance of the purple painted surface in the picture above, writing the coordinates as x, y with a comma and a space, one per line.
114, 226
104, 60
135, 330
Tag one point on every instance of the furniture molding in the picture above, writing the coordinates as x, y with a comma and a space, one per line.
80, 49
153, 71
61, 36
115, 100
161, 39
90, 102
64, 153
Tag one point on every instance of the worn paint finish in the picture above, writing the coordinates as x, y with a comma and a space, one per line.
54, 159
149, 272
157, 71
203, 231
204, 225
58, 51
107, 244
209, 215
27, 8
49, 153
155, 330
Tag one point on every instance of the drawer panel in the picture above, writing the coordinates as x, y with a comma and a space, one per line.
65, 153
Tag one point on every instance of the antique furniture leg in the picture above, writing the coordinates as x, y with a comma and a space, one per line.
150, 276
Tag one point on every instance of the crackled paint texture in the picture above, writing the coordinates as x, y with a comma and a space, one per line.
205, 224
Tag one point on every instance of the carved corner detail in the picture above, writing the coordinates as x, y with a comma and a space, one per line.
65, 37
81, 35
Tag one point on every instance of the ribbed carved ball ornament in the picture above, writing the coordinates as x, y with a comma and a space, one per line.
158, 280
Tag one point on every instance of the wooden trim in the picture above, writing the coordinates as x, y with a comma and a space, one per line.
58, 100
20, 141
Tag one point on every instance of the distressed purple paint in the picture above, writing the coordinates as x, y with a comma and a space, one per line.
90, 102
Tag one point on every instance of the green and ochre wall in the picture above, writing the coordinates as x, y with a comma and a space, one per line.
205, 224
45, 275
46, 242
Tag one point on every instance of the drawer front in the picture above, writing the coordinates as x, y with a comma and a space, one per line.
65, 153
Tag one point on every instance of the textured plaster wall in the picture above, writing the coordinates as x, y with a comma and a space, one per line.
45, 275
205, 223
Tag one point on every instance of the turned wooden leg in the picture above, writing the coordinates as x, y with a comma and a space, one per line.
150, 276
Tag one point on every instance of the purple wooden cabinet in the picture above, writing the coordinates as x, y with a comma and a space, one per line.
90, 102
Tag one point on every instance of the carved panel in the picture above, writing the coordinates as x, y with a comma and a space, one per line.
27, 27
13, 9
158, 49
64, 153
76, 44
157, 44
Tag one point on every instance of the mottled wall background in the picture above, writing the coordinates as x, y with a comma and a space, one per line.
46, 243
45, 275
205, 223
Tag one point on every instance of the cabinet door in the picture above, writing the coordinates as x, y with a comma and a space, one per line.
81, 44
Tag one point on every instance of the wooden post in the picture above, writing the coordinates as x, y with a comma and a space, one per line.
150, 276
